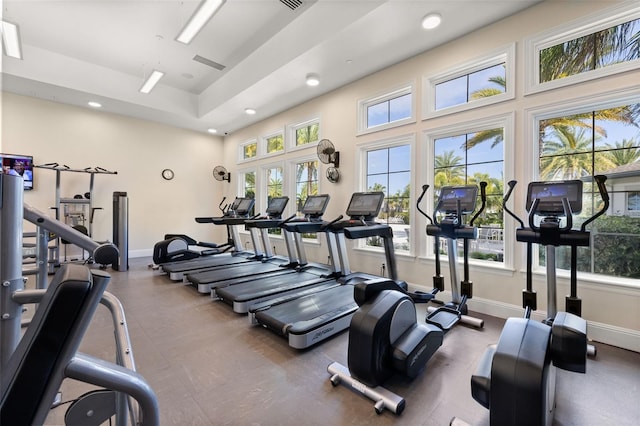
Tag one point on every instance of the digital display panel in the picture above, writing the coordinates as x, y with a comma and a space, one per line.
315, 205
550, 195
365, 204
450, 195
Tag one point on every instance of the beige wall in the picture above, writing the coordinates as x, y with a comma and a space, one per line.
140, 150
137, 150
613, 311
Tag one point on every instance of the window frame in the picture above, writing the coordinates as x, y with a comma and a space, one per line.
591, 102
241, 151
262, 148
505, 121
587, 25
362, 150
290, 134
364, 104
506, 55
290, 173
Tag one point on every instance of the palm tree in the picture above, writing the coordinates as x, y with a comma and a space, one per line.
602, 48
624, 152
449, 169
567, 154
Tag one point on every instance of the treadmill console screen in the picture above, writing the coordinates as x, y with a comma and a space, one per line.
550, 195
450, 195
276, 205
365, 204
315, 205
245, 205
235, 204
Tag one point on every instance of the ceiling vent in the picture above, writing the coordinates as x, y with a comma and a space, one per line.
208, 62
292, 4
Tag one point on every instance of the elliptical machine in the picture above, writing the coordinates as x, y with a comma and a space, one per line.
516, 378
454, 203
384, 335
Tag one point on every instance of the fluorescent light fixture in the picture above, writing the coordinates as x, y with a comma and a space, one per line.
431, 21
11, 40
313, 80
94, 104
212, 130
201, 16
153, 79
250, 111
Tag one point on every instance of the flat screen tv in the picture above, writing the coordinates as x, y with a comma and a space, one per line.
19, 165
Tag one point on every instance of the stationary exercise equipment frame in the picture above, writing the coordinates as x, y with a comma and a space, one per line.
60, 203
129, 398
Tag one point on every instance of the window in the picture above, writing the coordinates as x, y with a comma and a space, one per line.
633, 203
388, 169
274, 186
303, 134
274, 144
306, 184
391, 109
592, 48
248, 184
589, 141
467, 159
248, 150
484, 81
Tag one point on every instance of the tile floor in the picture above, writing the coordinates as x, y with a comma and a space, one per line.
208, 366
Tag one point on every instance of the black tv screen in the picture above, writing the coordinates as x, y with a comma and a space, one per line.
19, 165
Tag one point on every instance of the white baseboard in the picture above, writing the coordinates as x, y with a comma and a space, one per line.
141, 253
598, 332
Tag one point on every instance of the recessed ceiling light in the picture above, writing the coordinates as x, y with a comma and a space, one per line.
431, 21
94, 104
313, 80
201, 16
250, 111
153, 79
11, 39
212, 130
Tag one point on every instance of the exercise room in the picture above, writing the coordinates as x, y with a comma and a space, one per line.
292, 212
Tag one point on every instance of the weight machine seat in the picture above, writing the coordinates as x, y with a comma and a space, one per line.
35, 370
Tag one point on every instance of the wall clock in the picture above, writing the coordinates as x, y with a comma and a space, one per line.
167, 174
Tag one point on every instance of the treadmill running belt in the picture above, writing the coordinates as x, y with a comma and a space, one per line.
304, 314
267, 286
237, 271
203, 262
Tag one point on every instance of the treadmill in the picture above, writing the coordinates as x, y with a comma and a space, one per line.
264, 262
314, 317
238, 214
271, 272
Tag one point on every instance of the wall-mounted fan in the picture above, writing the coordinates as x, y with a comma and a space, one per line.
220, 173
327, 154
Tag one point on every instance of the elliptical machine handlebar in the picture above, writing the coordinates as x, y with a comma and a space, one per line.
566, 206
424, 191
483, 199
604, 194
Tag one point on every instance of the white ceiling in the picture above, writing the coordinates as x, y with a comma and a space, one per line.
75, 51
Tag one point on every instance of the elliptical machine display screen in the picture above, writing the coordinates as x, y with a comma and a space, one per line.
550, 195
450, 195
365, 204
